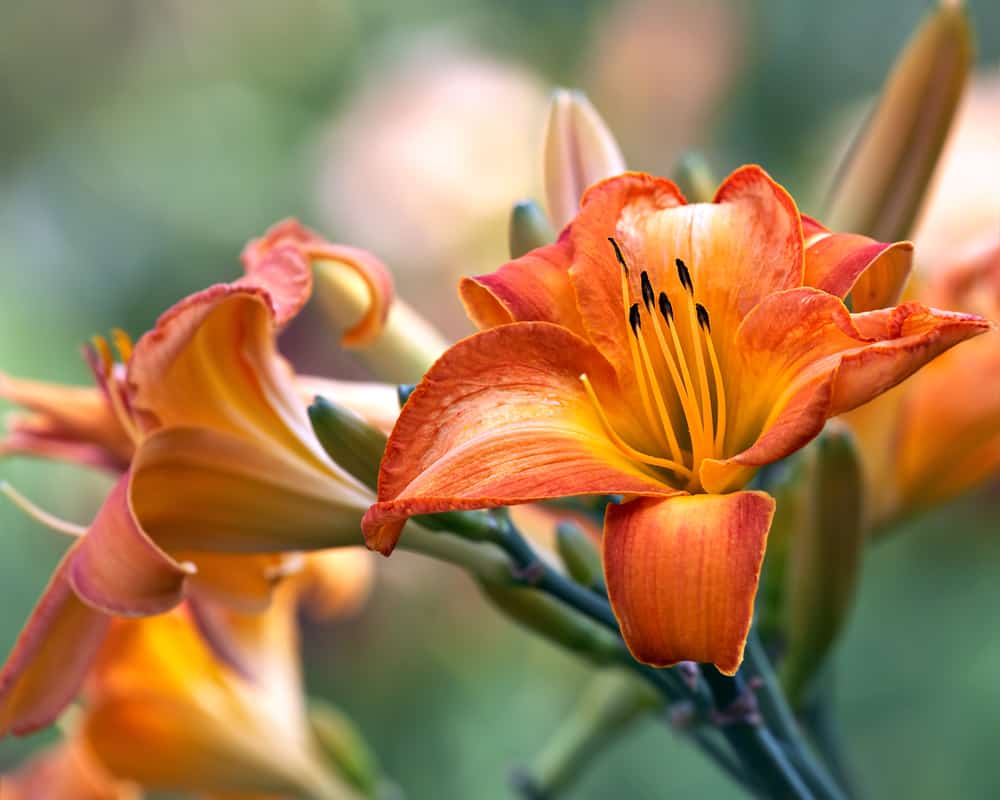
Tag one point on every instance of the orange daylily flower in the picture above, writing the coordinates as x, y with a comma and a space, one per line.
938, 435
223, 457
664, 352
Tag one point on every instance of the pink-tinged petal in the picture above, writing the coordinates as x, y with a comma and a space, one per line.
682, 574
808, 359
51, 656
277, 263
289, 241
533, 288
503, 418
117, 568
872, 272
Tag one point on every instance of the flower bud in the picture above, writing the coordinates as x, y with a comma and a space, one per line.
880, 185
577, 551
344, 747
824, 557
528, 228
579, 150
348, 440
695, 178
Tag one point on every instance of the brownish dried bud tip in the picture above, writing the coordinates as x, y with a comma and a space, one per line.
618, 253
684, 275
633, 319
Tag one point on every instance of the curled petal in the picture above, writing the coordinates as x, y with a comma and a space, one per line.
533, 288
813, 360
872, 272
289, 239
503, 418
682, 574
239, 582
50, 658
117, 568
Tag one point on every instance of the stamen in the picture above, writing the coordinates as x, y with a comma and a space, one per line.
720, 391
632, 315
123, 344
624, 446
688, 401
685, 276
648, 296
102, 363
103, 351
618, 253
44, 517
661, 407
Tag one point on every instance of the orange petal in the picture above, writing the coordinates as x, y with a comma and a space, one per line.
50, 658
744, 245
240, 582
682, 574
290, 242
276, 263
872, 272
503, 418
65, 771
336, 583
199, 489
811, 360
116, 567
533, 288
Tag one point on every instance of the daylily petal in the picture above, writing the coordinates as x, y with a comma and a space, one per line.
813, 360
50, 658
117, 568
276, 263
872, 272
71, 422
376, 403
744, 245
202, 489
240, 582
65, 771
290, 241
533, 288
682, 574
503, 418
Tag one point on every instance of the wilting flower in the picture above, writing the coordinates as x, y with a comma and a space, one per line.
660, 351
938, 435
225, 479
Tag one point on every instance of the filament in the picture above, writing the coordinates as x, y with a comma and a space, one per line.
44, 517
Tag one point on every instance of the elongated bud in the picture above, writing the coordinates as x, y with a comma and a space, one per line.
403, 392
695, 178
556, 622
344, 747
529, 228
610, 703
398, 351
881, 183
348, 440
577, 551
824, 559
579, 150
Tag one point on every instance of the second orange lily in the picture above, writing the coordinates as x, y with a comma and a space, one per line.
661, 351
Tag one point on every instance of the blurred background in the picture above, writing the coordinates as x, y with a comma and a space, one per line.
143, 143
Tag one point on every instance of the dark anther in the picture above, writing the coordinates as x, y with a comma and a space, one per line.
618, 253
648, 295
684, 275
702, 317
633, 319
666, 309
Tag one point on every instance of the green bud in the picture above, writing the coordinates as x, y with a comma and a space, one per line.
610, 703
342, 744
695, 178
555, 621
881, 183
349, 440
529, 228
824, 559
403, 391
577, 551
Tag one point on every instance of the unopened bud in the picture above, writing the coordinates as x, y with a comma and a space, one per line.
880, 186
578, 553
528, 228
579, 151
344, 747
695, 178
348, 440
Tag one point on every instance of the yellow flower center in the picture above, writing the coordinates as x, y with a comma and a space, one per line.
665, 369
